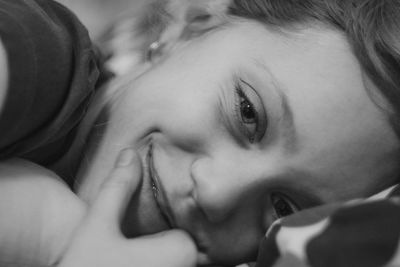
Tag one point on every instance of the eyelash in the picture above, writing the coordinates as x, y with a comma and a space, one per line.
281, 199
240, 94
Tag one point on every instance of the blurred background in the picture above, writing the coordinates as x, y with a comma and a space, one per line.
97, 14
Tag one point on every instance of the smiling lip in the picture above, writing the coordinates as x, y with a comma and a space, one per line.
158, 190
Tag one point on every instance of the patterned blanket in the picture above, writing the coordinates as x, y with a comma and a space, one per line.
361, 233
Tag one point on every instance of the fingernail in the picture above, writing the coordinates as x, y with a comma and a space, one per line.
125, 158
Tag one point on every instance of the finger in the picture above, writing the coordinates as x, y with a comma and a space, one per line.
173, 248
116, 192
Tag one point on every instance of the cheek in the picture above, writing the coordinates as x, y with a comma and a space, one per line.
345, 172
237, 239
188, 122
345, 142
176, 109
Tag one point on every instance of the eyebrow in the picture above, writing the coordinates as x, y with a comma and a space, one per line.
287, 116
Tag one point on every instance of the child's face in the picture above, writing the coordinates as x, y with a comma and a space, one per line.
244, 125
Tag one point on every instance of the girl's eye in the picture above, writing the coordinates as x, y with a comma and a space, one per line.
250, 112
247, 112
282, 205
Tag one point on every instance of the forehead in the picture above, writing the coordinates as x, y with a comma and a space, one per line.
340, 131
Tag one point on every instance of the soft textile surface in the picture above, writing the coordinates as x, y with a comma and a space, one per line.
362, 233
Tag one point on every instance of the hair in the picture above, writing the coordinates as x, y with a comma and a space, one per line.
372, 28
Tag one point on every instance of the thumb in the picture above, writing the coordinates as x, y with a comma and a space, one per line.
116, 191
173, 248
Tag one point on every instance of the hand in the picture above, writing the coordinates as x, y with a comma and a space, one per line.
98, 241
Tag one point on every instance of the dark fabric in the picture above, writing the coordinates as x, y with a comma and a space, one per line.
290, 261
269, 245
361, 233
53, 73
358, 236
395, 192
310, 216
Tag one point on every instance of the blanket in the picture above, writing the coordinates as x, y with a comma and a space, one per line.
359, 233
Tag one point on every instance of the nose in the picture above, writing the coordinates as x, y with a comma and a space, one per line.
220, 187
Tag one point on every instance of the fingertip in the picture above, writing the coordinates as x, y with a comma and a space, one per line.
187, 246
183, 247
178, 236
177, 244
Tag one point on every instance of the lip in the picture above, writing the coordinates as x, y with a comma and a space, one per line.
158, 190
164, 206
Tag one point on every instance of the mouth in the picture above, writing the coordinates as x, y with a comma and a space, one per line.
162, 203
158, 190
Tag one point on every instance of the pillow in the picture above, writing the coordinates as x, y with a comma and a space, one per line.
359, 233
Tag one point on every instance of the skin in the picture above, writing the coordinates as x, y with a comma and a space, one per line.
318, 136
